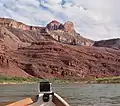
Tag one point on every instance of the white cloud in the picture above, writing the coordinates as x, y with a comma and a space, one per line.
52, 1
94, 19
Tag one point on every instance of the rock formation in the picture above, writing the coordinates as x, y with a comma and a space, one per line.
66, 33
111, 43
56, 50
52, 59
55, 25
69, 27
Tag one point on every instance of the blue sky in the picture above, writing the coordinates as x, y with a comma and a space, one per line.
94, 19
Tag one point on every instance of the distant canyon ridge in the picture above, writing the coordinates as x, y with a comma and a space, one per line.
55, 51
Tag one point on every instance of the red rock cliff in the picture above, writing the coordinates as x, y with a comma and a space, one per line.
53, 51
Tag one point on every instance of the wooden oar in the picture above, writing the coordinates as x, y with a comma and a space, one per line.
24, 102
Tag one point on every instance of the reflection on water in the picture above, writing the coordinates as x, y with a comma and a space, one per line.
75, 94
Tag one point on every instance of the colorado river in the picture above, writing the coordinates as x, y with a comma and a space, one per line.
74, 94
